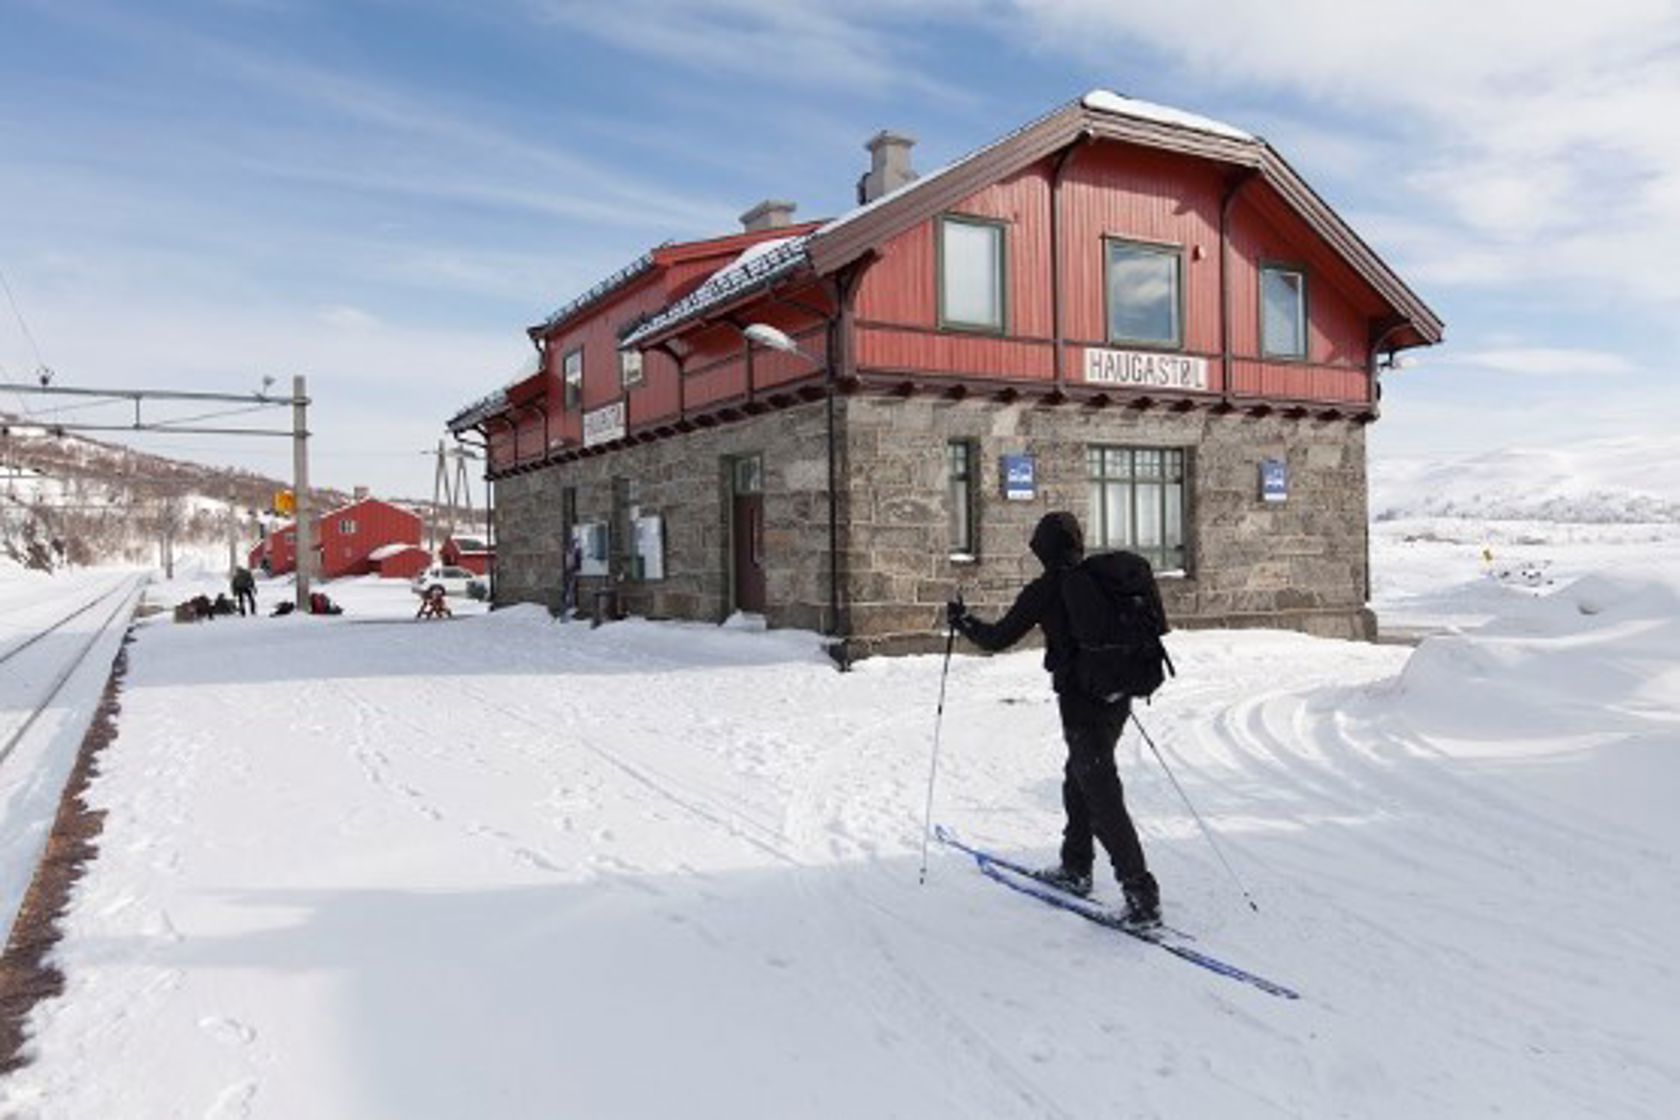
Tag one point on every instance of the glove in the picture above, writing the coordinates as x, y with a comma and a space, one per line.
956, 614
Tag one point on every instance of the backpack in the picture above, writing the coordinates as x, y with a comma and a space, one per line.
1116, 617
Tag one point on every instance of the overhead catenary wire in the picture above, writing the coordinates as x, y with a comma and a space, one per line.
28, 335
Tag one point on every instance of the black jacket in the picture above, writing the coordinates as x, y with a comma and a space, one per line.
1059, 544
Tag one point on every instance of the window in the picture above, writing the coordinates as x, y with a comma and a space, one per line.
959, 495
1137, 502
749, 475
1283, 313
971, 274
1145, 294
347, 526
572, 371
629, 367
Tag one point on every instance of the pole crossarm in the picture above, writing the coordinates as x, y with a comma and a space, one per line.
156, 394
164, 427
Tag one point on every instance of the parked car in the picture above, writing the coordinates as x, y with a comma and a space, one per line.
453, 580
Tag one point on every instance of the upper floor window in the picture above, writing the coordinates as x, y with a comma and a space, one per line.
1145, 294
571, 368
1283, 313
347, 526
1137, 502
629, 367
971, 266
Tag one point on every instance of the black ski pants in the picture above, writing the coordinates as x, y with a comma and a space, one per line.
1091, 793
246, 595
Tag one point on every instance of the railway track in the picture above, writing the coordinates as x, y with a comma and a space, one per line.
61, 665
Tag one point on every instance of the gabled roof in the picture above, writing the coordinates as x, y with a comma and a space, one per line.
662, 256
1098, 115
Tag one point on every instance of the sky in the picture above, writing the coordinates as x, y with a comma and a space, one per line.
381, 196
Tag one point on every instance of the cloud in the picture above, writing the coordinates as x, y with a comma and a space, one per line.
856, 47
1540, 362
1538, 137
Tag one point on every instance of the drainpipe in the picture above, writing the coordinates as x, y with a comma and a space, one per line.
1225, 205
1059, 365
839, 353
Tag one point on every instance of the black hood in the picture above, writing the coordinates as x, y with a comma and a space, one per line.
1058, 542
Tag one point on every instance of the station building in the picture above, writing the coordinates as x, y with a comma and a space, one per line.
1120, 309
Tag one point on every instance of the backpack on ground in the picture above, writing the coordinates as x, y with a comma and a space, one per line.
1115, 613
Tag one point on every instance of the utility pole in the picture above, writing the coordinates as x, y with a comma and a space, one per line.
233, 532
300, 488
452, 493
440, 493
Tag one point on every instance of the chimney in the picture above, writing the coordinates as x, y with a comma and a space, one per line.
769, 214
889, 165
360, 492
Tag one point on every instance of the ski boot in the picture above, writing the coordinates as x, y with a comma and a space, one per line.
1143, 903
1076, 883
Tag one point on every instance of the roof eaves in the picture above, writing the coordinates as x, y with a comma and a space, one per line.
1328, 224
478, 412
599, 291
851, 235
728, 286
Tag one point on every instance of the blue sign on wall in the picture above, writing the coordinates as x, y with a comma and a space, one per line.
1020, 480
1274, 480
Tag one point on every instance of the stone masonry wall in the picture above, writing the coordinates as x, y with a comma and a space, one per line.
1300, 564
684, 480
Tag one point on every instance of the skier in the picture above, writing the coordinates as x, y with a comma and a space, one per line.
244, 590
1091, 792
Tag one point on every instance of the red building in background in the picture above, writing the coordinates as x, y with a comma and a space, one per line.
399, 561
471, 553
345, 539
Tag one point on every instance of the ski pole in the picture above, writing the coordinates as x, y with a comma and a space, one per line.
1205, 830
933, 768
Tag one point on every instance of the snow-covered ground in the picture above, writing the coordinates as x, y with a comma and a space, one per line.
361, 866
502, 866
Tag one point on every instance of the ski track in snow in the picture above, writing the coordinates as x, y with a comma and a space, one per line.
501, 867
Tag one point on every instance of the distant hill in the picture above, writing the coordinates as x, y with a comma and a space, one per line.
69, 499
1629, 480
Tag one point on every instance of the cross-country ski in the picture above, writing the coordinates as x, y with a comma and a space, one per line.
1018, 878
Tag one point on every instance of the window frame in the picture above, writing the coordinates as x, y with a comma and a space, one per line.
1100, 539
1001, 228
625, 379
968, 494
1304, 319
571, 392
1168, 250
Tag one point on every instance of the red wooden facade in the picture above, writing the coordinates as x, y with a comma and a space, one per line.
398, 561
867, 286
345, 537
277, 553
537, 421
469, 553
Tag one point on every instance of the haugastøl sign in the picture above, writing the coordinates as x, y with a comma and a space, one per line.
1142, 369
604, 424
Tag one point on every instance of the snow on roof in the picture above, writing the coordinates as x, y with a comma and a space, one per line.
1105, 101
757, 264
470, 544
386, 551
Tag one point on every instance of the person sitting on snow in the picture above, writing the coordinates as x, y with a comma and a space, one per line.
433, 605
